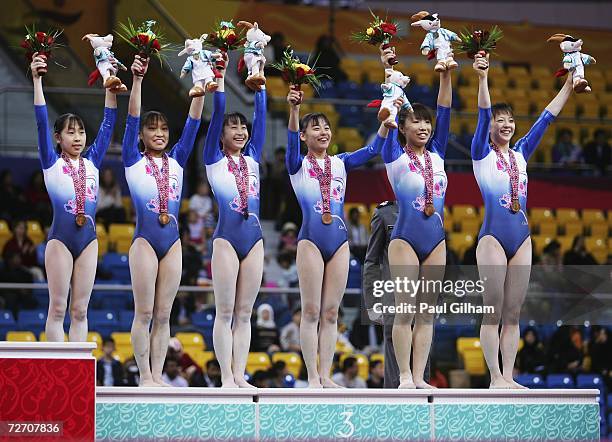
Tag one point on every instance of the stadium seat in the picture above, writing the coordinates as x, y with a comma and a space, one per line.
539, 214
122, 339
548, 228
590, 216
33, 320
5, 233
377, 357
565, 242
540, 241
460, 242
363, 366
591, 381
102, 235
191, 341
462, 211
599, 229
470, 226
117, 265
559, 381
293, 361
20, 336
126, 317
7, 323
465, 343
120, 237
201, 358
531, 380
35, 232
104, 322
595, 244
96, 339
43, 337
258, 361
573, 229
364, 213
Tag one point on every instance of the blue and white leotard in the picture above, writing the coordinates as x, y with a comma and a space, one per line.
241, 233
143, 188
510, 229
422, 232
61, 188
327, 237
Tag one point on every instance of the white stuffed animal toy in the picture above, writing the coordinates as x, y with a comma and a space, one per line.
437, 42
200, 63
254, 59
573, 60
392, 90
104, 63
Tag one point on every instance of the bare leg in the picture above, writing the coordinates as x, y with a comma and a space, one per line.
492, 265
334, 284
310, 268
403, 263
59, 265
168, 281
225, 267
83, 277
249, 282
432, 270
515, 290
143, 271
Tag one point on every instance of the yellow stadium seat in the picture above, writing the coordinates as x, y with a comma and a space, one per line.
349, 138
363, 366
5, 233
449, 224
470, 226
565, 242
520, 84
464, 343
573, 228
377, 357
122, 339
565, 215
540, 241
97, 339
20, 336
43, 337
538, 214
460, 242
601, 256
120, 235
548, 228
498, 95
474, 362
590, 216
202, 358
293, 361
518, 71
191, 340
599, 229
462, 211
35, 232
102, 239
123, 354
364, 213
595, 244
257, 361
127, 206
520, 106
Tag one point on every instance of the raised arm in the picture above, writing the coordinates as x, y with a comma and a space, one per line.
131, 155
258, 135
46, 151
359, 157
445, 93
98, 148
293, 158
480, 141
439, 140
557, 103
212, 153
139, 69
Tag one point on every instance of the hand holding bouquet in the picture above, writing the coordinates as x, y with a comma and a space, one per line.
378, 32
40, 43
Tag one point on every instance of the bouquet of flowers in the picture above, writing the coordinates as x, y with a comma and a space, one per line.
297, 73
42, 42
225, 37
146, 39
378, 32
479, 42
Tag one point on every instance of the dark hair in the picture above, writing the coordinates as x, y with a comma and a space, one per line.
349, 363
69, 121
233, 118
108, 341
152, 118
374, 364
212, 362
419, 111
313, 118
501, 108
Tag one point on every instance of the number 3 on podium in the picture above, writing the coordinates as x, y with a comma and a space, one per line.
347, 421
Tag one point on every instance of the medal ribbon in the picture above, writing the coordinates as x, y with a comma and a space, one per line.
511, 169
427, 172
162, 179
324, 179
78, 180
241, 175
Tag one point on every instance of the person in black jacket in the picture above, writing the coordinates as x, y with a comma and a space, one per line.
109, 370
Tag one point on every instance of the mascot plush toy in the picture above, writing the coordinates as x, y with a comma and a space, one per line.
106, 69
573, 61
392, 89
437, 42
200, 63
254, 59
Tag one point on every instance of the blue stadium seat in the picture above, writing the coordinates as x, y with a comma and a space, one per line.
103, 321
42, 297
350, 115
349, 89
327, 89
126, 317
7, 323
371, 91
467, 331
32, 320
354, 275
531, 380
592, 381
563, 380
289, 381
204, 321
117, 265
444, 347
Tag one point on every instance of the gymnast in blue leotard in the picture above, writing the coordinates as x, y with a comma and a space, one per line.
319, 182
155, 179
503, 253
232, 168
414, 159
72, 251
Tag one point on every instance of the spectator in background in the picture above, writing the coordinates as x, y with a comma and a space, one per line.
274, 52
328, 53
192, 259
195, 224
182, 309
22, 245
288, 239
437, 380
357, 235
469, 256
600, 350
212, 378
261, 379
14, 271
565, 151
40, 249
110, 204
39, 204
189, 368
172, 374
377, 374
348, 376
277, 374
578, 254
201, 202
597, 152
265, 335
290, 334
567, 350
531, 358
276, 185
109, 371
288, 276
12, 203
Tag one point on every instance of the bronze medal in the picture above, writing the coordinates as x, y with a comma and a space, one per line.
429, 209
326, 218
516, 206
80, 220
164, 219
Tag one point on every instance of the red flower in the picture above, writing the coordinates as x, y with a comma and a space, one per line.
25, 44
231, 39
285, 75
50, 40
134, 40
155, 45
300, 72
388, 28
143, 39
41, 37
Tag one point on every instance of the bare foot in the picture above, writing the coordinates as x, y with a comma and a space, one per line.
406, 382
423, 384
515, 385
314, 383
328, 383
148, 383
500, 383
242, 383
228, 383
